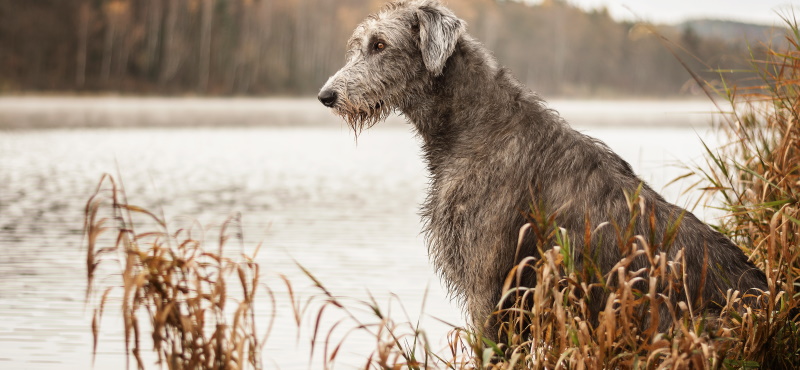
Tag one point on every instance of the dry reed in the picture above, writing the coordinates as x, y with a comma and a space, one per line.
195, 319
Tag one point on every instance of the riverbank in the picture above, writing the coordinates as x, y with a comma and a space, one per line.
41, 112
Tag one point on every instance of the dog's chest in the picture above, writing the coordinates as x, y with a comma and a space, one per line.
466, 190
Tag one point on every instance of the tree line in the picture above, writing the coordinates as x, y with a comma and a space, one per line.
290, 47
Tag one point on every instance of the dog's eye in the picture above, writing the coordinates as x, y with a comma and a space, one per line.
379, 46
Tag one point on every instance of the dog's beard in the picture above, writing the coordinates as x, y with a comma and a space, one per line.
362, 114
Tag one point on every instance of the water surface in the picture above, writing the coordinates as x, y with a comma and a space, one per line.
344, 209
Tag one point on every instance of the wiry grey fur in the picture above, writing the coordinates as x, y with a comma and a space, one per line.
493, 148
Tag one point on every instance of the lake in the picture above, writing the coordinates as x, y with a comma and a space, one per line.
308, 191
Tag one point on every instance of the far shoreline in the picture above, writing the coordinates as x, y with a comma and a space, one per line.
117, 111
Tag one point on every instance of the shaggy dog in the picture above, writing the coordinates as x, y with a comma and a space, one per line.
494, 149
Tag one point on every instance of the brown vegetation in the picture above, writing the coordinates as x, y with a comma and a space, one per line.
168, 277
292, 46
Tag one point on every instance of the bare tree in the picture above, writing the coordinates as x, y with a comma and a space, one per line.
154, 19
169, 58
84, 17
205, 45
108, 45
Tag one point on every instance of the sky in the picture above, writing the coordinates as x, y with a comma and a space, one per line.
675, 11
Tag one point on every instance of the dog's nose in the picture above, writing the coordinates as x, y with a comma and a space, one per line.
327, 97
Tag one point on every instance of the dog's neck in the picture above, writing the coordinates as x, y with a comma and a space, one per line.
440, 111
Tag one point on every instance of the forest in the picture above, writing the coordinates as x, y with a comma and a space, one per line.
290, 47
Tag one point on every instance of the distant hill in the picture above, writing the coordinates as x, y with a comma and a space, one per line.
733, 31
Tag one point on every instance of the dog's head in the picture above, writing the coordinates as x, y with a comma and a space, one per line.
391, 57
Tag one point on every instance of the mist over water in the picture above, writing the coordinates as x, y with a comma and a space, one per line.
345, 209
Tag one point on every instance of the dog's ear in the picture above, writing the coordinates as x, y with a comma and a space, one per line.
439, 30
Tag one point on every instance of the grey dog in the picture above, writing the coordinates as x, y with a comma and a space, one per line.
493, 149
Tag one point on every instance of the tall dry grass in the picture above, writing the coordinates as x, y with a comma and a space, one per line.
197, 305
